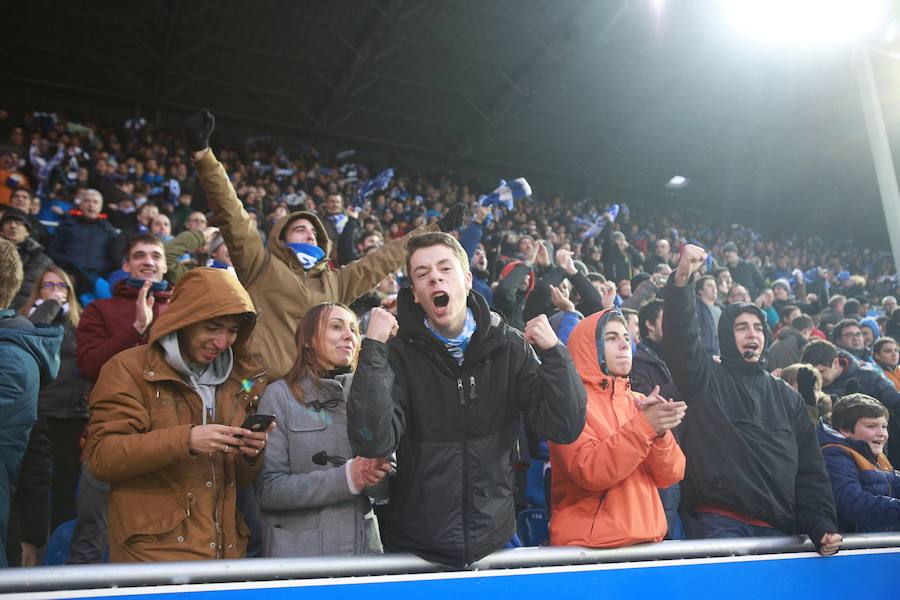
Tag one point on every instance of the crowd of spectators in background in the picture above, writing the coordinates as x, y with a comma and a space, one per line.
108, 219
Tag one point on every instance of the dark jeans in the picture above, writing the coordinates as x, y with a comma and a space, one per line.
701, 525
91, 533
65, 435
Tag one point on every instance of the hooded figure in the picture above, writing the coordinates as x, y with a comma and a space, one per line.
165, 502
604, 484
753, 457
286, 282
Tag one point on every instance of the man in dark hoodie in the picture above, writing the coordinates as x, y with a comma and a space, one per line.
754, 466
447, 394
842, 374
293, 273
29, 357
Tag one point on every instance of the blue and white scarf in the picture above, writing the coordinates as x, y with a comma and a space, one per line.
307, 254
339, 220
457, 346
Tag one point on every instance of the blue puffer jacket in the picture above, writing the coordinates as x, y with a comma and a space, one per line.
91, 245
867, 498
29, 356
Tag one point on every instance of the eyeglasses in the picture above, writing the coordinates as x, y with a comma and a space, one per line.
55, 284
852, 334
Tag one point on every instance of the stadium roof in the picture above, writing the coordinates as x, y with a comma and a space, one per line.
619, 95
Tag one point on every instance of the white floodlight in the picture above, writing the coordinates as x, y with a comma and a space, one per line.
677, 182
809, 22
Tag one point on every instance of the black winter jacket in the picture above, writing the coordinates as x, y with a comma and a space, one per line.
749, 442
786, 350
89, 244
746, 274
66, 396
648, 370
454, 428
34, 263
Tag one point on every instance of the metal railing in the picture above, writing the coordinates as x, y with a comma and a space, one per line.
74, 577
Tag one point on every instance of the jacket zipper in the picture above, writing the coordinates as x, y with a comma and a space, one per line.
465, 475
472, 388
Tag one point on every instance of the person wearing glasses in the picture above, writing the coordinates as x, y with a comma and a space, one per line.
848, 336
63, 402
313, 494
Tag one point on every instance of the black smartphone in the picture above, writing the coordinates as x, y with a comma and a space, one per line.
257, 423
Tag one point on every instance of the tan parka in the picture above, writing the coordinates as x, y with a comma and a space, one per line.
281, 290
166, 503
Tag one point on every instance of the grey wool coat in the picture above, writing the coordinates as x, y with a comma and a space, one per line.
308, 509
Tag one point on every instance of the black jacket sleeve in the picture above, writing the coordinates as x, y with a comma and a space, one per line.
538, 301
378, 402
506, 291
33, 488
688, 363
591, 301
814, 499
346, 252
551, 395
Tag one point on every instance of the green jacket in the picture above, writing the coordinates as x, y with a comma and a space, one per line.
281, 290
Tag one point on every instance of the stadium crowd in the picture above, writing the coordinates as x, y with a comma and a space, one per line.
441, 362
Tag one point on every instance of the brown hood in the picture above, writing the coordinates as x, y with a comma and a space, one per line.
284, 254
202, 294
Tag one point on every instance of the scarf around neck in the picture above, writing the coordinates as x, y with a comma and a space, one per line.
307, 254
457, 346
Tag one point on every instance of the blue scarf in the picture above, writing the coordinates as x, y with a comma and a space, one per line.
457, 346
339, 220
156, 286
307, 254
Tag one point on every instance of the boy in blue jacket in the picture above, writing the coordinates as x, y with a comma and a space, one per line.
866, 487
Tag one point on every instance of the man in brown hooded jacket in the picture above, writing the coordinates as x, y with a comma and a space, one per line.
293, 274
165, 427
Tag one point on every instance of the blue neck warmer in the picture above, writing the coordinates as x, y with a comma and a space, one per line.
457, 346
156, 286
307, 254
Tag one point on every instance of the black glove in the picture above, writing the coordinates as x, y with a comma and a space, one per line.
453, 218
806, 385
852, 387
197, 129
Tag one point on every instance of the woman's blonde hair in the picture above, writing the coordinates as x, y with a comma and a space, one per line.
71, 298
308, 338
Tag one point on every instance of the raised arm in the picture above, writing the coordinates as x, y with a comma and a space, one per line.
685, 357
241, 236
551, 395
377, 406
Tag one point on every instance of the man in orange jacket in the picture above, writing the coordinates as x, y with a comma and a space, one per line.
604, 484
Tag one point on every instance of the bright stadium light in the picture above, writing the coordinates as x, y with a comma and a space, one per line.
677, 182
809, 22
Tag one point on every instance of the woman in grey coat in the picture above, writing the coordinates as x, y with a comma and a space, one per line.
313, 497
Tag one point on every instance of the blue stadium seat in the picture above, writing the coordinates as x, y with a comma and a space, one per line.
534, 527
58, 545
534, 485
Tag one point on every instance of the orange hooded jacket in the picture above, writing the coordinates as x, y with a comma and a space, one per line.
604, 484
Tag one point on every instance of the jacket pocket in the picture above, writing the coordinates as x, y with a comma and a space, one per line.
285, 543
168, 529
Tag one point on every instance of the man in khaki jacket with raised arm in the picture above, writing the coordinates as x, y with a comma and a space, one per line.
293, 274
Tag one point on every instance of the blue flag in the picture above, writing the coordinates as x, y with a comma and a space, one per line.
367, 188
507, 193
